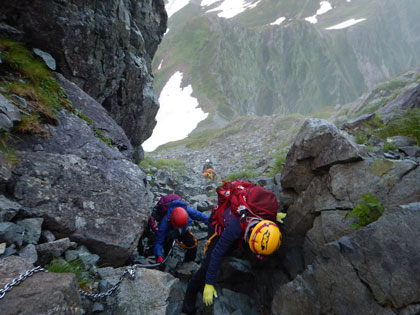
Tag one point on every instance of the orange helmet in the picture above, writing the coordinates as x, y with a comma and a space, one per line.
179, 217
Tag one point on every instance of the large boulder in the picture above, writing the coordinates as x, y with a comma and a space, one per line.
83, 189
374, 270
151, 292
105, 47
318, 146
41, 293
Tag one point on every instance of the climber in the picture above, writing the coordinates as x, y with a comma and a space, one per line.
208, 170
174, 226
263, 237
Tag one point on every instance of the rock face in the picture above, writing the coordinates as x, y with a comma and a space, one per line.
41, 293
84, 189
372, 271
105, 48
318, 145
150, 292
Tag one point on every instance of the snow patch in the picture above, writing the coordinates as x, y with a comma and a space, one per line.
178, 114
160, 65
174, 6
230, 8
278, 21
325, 6
345, 24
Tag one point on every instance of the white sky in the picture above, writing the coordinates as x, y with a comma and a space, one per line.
278, 21
230, 8
345, 24
325, 6
178, 114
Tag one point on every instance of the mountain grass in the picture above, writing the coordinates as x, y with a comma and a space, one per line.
27, 76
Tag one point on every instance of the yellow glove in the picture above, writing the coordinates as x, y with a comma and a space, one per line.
281, 216
209, 292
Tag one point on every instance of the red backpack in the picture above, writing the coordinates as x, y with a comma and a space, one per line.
246, 201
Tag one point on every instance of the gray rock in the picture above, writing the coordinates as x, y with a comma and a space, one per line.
318, 146
2, 248
93, 47
187, 270
373, 270
48, 59
8, 208
48, 251
402, 141
48, 236
230, 302
83, 189
5, 122
358, 122
100, 117
11, 233
41, 293
163, 293
413, 151
5, 172
32, 230
29, 253
10, 110
22, 102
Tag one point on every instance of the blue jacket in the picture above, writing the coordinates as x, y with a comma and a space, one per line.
166, 228
230, 236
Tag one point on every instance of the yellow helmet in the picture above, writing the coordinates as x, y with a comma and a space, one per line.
265, 238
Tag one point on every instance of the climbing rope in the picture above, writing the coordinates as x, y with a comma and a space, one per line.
130, 271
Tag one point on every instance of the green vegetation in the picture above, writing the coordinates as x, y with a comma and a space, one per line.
245, 174
406, 123
8, 152
279, 161
360, 137
390, 86
368, 210
99, 134
149, 162
28, 77
389, 146
84, 278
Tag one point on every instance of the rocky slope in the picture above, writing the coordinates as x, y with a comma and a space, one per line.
70, 194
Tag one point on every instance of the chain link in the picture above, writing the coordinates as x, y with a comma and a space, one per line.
18, 280
130, 271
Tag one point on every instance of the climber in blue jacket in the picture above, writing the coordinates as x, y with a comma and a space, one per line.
174, 226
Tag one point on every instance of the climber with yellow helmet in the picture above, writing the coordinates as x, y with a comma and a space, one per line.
262, 236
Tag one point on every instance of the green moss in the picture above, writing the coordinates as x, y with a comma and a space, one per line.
29, 78
405, 123
99, 134
381, 167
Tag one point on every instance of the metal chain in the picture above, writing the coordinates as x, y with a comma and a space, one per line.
130, 271
132, 274
18, 280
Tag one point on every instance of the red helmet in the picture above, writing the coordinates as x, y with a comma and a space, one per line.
179, 217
